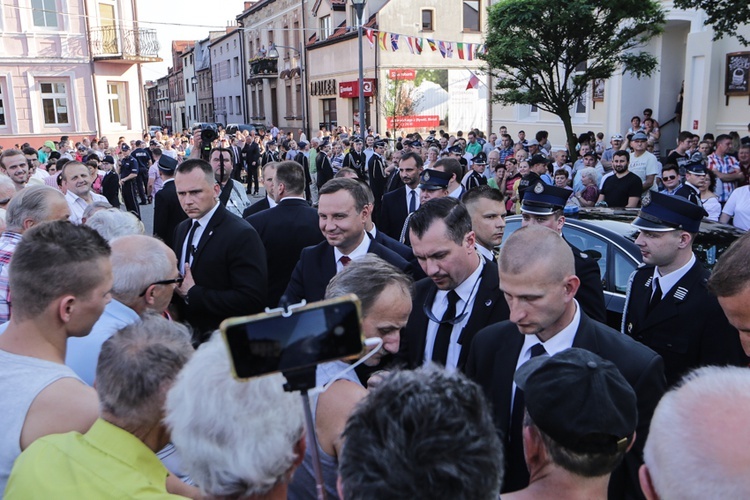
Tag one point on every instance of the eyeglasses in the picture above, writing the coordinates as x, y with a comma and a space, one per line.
669, 177
177, 280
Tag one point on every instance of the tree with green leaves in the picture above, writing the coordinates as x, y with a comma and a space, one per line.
548, 53
724, 16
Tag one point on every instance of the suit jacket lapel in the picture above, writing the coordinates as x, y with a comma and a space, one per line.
328, 264
503, 371
488, 294
668, 307
213, 223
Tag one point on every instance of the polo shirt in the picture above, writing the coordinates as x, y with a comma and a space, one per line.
106, 462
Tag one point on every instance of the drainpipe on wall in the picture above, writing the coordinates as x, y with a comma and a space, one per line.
97, 112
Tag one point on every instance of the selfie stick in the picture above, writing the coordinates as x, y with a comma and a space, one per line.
303, 380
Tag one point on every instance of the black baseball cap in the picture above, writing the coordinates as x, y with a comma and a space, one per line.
580, 400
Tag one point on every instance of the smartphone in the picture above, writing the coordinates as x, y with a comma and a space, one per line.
280, 342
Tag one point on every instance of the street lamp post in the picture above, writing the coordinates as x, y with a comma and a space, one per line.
273, 53
359, 7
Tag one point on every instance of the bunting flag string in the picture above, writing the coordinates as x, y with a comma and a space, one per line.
417, 45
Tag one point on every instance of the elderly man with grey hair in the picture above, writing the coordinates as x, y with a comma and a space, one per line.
237, 439
697, 447
113, 223
7, 190
116, 457
28, 208
145, 274
385, 294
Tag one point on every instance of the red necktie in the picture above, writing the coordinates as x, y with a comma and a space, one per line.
345, 260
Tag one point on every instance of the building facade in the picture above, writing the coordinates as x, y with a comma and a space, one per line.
273, 32
687, 92
71, 67
226, 75
191, 86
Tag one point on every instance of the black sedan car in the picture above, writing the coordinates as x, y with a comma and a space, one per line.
606, 235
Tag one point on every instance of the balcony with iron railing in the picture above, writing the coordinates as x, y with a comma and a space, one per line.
122, 44
263, 67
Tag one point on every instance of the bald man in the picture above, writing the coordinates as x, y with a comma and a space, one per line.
537, 277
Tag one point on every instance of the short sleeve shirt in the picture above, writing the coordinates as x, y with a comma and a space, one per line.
617, 190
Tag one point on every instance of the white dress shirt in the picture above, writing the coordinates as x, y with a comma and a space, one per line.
78, 205
417, 192
197, 236
559, 342
467, 292
355, 254
667, 281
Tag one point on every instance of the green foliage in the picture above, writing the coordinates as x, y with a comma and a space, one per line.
725, 16
536, 46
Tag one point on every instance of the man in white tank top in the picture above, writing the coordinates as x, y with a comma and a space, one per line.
60, 281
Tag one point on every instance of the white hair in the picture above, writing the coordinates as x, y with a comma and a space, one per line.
697, 446
589, 172
235, 438
137, 261
112, 223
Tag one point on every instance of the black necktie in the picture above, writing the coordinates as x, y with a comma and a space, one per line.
656, 297
443, 337
412, 201
514, 457
189, 250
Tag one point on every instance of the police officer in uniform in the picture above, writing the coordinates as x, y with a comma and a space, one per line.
270, 154
694, 173
128, 177
475, 178
356, 159
668, 306
543, 205
532, 178
378, 177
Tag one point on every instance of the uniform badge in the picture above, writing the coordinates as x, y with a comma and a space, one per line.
539, 188
630, 327
646, 200
426, 176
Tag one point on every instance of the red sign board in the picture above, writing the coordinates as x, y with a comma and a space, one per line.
402, 74
351, 89
414, 121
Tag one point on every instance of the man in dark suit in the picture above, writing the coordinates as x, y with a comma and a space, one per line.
287, 229
398, 204
356, 159
168, 212
271, 154
222, 258
543, 205
459, 297
669, 307
537, 279
251, 161
694, 174
376, 172
236, 150
268, 200
342, 212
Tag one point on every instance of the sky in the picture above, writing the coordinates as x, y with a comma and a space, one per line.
183, 20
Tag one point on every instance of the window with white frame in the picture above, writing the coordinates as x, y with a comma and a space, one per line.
44, 13
325, 27
116, 101
54, 102
428, 20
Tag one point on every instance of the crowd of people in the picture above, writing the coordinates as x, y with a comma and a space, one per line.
496, 371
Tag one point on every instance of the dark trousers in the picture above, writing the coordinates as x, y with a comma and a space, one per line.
141, 183
129, 197
252, 179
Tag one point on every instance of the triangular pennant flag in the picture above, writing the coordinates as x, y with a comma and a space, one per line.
410, 44
432, 45
473, 81
460, 49
381, 40
370, 37
418, 45
394, 42
441, 46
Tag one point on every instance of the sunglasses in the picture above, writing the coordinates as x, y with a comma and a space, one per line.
177, 280
669, 177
